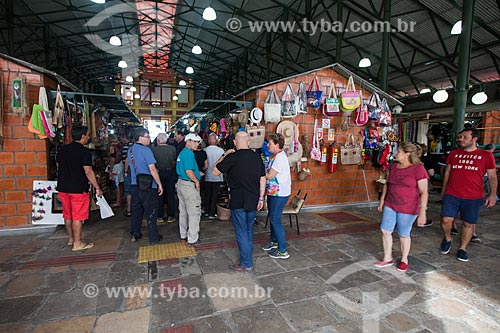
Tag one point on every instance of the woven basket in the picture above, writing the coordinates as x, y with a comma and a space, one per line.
223, 213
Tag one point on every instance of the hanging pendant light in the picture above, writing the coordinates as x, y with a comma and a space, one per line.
115, 41
178, 92
122, 64
479, 98
425, 91
365, 62
133, 89
189, 70
457, 28
175, 98
209, 14
99, 1
137, 96
196, 49
129, 78
440, 96
182, 83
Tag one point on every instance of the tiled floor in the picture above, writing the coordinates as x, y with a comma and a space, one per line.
327, 285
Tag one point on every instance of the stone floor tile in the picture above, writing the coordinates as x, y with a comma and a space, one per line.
259, 319
16, 328
308, 246
265, 265
70, 325
419, 266
189, 266
211, 324
294, 286
58, 282
231, 291
306, 315
63, 305
136, 321
401, 322
213, 261
174, 308
23, 285
329, 257
296, 261
19, 309
125, 273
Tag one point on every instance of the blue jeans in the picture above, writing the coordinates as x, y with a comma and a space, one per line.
144, 203
243, 222
168, 179
275, 207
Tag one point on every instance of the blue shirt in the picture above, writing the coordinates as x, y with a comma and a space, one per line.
186, 161
143, 157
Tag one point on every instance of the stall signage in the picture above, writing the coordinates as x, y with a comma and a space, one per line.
158, 74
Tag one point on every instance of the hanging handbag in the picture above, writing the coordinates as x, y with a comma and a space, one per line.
243, 117
350, 154
302, 98
314, 96
272, 108
332, 103
385, 115
257, 135
315, 151
289, 103
374, 107
351, 99
361, 114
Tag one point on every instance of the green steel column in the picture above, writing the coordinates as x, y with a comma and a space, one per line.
460, 102
307, 35
384, 67
338, 47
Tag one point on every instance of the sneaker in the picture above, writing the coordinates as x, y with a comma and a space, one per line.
402, 267
382, 263
160, 221
475, 239
134, 238
462, 255
445, 246
212, 217
428, 223
270, 246
454, 231
170, 219
195, 243
276, 254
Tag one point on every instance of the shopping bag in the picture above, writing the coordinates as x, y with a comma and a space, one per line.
349, 153
385, 115
272, 108
351, 99
302, 98
104, 208
289, 103
374, 107
314, 96
332, 103
315, 151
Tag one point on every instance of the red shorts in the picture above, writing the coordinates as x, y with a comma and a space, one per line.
75, 206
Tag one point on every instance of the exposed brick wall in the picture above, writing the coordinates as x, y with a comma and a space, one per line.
491, 128
347, 184
23, 157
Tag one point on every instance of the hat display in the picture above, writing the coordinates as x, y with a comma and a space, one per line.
256, 115
243, 117
289, 130
193, 137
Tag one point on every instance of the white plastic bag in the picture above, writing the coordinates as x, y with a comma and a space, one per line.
105, 209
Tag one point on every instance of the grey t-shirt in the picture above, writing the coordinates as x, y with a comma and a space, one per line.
165, 156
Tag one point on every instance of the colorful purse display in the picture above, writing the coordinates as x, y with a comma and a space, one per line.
289, 103
314, 96
361, 114
315, 151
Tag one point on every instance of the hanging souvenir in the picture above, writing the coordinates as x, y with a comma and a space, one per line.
289, 103
272, 108
332, 103
302, 98
20, 95
351, 99
314, 94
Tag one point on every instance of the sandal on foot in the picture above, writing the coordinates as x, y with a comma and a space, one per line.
69, 243
84, 247
127, 213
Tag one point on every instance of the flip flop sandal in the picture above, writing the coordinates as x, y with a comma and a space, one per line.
69, 243
84, 247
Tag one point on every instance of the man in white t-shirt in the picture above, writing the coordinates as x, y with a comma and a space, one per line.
212, 183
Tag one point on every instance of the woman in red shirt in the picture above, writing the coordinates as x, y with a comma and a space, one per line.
404, 198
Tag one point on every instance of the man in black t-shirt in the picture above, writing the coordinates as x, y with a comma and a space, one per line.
74, 174
246, 177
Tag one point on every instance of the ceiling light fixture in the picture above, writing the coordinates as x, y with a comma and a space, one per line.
115, 41
122, 64
196, 49
133, 89
457, 28
182, 83
365, 62
479, 98
175, 98
209, 14
189, 70
425, 91
137, 96
178, 92
129, 78
440, 96
99, 1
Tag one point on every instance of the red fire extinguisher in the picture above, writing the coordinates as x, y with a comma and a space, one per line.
333, 157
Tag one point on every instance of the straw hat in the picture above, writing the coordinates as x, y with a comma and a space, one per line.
290, 131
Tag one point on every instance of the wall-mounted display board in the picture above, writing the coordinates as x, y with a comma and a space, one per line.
47, 206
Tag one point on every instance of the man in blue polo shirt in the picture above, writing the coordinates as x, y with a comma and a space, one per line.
188, 191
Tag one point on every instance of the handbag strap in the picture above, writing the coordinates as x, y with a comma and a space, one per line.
350, 84
272, 97
333, 91
314, 82
132, 159
315, 136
